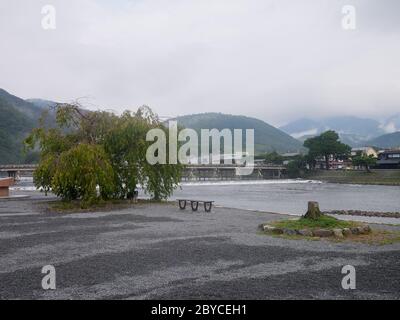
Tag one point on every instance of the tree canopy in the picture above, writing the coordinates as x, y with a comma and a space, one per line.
274, 158
363, 160
97, 155
327, 145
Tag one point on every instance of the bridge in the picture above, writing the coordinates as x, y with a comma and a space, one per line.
191, 172
232, 172
15, 170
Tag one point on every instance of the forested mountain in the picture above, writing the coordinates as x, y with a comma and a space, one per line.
17, 118
391, 140
267, 138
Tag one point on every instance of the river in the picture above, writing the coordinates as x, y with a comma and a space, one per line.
283, 196
291, 196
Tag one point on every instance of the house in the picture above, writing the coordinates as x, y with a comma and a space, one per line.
367, 151
333, 163
389, 159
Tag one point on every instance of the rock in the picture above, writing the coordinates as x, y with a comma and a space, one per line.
359, 230
323, 233
362, 230
305, 233
267, 228
289, 232
366, 229
271, 229
278, 231
355, 230
346, 232
338, 233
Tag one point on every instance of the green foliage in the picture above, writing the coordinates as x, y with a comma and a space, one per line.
297, 166
362, 160
80, 171
325, 145
274, 158
96, 156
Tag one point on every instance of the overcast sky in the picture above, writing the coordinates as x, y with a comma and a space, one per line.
275, 60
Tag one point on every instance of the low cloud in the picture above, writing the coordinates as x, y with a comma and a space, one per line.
276, 60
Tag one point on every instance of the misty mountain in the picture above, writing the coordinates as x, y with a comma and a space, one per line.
267, 138
390, 140
353, 131
41, 103
392, 124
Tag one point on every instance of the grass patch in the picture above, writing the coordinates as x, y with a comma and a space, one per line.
324, 222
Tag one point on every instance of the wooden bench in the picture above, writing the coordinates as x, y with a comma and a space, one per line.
195, 204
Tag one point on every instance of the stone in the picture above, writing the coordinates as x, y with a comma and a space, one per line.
323, 233
362, 230
366, 229
267, 227
271, 229
289, 232
355, 230
338, 233
278, 231
305, 233
346, 232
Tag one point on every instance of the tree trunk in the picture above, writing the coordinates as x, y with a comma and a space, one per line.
313, 210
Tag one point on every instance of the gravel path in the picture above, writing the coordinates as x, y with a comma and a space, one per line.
160, 252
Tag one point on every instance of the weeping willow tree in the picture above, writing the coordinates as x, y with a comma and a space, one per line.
97, 155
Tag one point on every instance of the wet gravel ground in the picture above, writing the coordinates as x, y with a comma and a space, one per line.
160, 252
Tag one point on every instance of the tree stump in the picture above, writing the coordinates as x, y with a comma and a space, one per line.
313, 210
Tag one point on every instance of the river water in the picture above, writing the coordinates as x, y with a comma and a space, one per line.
283, 196
291, 196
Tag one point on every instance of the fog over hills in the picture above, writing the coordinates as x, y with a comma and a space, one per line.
19, 117
354, 131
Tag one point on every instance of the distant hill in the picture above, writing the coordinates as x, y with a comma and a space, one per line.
267, 138
391, 140
352, 130
18, 118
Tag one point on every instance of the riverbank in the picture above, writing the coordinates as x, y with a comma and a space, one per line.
152, 251
375, 177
